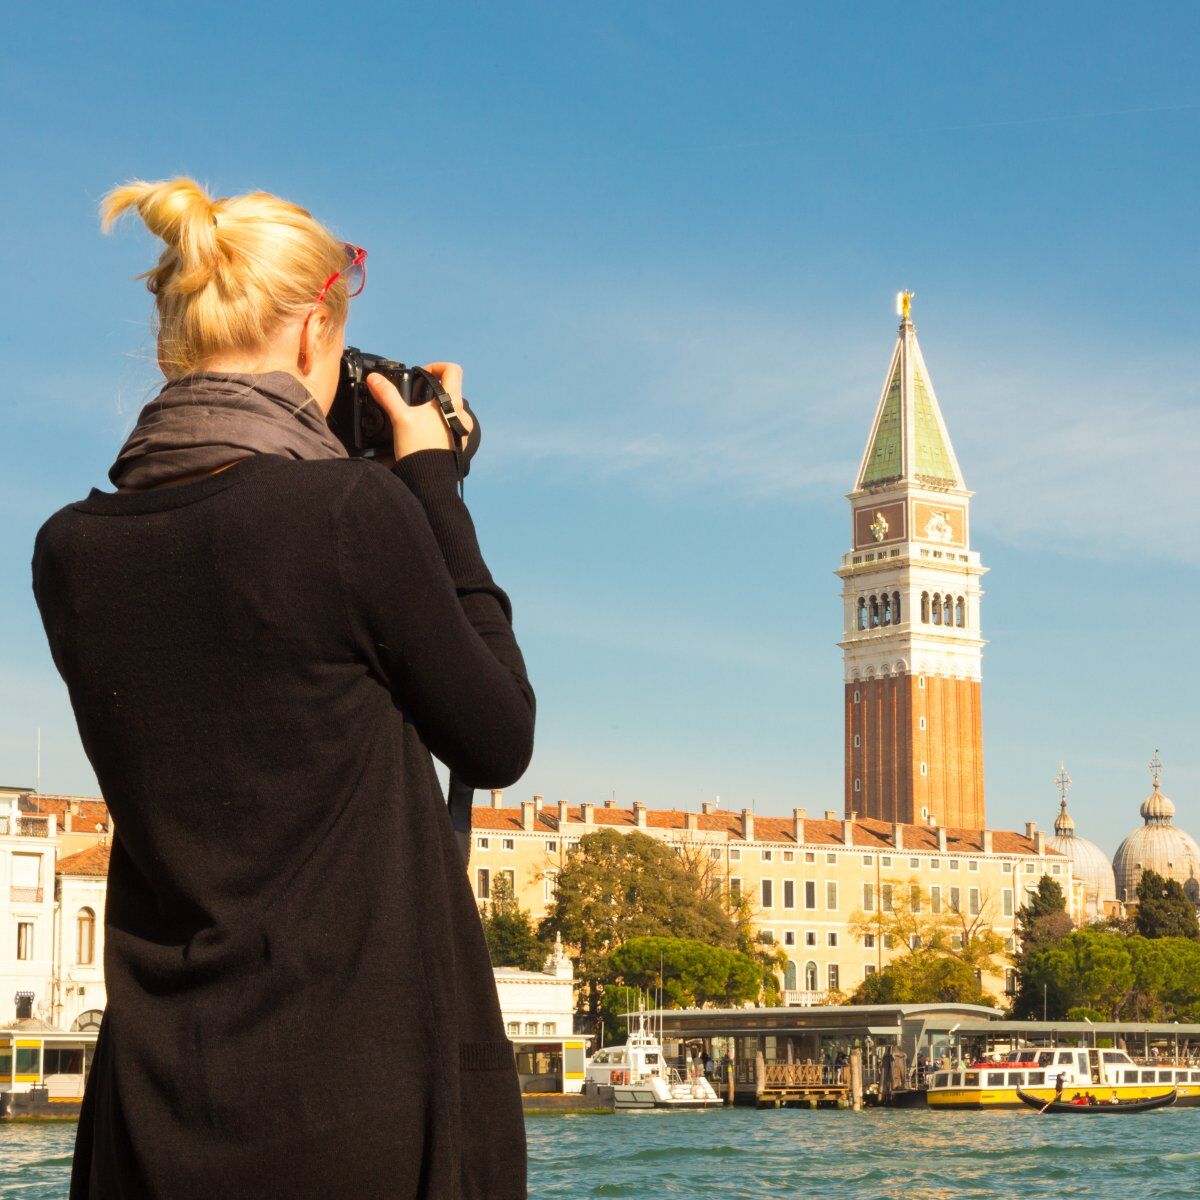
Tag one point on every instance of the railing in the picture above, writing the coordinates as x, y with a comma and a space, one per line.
25, 895
804, 999
33, 826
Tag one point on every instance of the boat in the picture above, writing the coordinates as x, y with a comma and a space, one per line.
640, 1076
1036, 1070
1102, 1106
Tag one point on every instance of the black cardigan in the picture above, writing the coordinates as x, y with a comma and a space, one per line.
300, 999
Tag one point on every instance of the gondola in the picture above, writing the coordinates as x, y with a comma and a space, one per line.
1122, 1106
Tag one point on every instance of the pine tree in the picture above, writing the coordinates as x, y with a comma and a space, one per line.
509, 931
1164, 909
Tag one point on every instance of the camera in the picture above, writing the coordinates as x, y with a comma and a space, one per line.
359, 423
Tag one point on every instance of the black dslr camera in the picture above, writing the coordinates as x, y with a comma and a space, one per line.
363, 427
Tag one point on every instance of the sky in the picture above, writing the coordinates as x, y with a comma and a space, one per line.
664, 241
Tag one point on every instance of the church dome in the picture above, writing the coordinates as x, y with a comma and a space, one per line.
1158, 846
1089, 863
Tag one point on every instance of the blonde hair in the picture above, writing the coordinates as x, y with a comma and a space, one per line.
233, 271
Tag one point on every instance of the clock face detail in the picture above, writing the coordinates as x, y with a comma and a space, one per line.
879, 527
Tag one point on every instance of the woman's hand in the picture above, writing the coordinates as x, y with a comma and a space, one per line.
420, 427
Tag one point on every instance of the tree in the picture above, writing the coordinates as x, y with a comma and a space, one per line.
1043, 916
508, 928
617, 886
676, 973
1164, 909
942, 951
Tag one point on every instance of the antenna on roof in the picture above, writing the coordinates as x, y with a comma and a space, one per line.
37, 776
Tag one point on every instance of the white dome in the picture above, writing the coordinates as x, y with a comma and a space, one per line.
1158, 846
1089, 864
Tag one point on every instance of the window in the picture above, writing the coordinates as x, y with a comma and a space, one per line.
914, 864
506, 844
531, 1026
547, 1026
85, 937
1008, 902
857, 696
735, 890
935, 864
483, 883
809, 856
914, 941
1056, 869
810, 893
1029, 868
768, 898
887, 941
920, 681
767, 855
789, 937
1006, 868
955, 899
868, 941
832, 938
886, 860
550, 882
831, 897
735, 853
831, 858
810, 938
767, 937
869, 970
935, 899
26, 887
868, 860
481, 843
953, 864
514, 1027
834, 977
973, 902
510, 877
715, 852
858, 785
924, 768
921, 724
789, 855
810, 977
885, 898
24, 938
868, 897
857, 741
914, 897
789, 893
551, 846
973, 865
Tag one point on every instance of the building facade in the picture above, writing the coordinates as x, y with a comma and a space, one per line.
809, 880
911, 615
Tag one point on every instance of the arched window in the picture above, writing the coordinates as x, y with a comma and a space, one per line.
959, 613
937, 609
87, 1020
895, 608
925, 607
810, 977
948, 611
862, 613
874, 612
85, 937
789, 976
886, 608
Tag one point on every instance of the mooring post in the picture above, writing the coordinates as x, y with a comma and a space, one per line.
729, 1083
856, 1080
760, 1075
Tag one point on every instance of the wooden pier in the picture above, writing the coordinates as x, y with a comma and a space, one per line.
808, 1084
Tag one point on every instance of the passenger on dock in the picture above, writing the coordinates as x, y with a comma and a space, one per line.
265, 638
839, 1065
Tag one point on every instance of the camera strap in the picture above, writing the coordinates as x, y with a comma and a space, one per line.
466, 443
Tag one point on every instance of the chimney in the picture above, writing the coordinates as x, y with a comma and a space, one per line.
528, 814
708, 807
987, 841
943, 844
537, 803
848, 831
589, 812
798, 815
67, 818
610, 804
51, 825
898, 835
497, 798
1030, 829
639, 814
24, 1005
747, 825
691, 822
1039, 841
564, 813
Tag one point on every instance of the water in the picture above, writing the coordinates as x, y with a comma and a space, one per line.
743, 1153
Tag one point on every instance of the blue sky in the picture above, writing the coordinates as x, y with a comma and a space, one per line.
664, 240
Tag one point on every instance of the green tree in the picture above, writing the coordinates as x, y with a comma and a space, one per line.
509, 931
617, 886
923, 977
1043, 917
1086, 969
1164, 909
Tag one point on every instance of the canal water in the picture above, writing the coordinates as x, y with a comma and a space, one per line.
876, 1155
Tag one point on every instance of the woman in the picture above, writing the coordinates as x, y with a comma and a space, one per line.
264, 640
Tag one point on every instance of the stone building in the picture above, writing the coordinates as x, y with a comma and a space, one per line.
1089, 864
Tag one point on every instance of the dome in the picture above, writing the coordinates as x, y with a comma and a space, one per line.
1158, 846
1089, 864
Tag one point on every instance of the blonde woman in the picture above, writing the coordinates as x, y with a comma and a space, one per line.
264, 641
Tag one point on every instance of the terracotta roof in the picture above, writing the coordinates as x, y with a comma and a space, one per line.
86, 811
867, 833
92, 861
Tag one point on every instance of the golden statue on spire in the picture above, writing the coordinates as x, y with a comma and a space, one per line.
904, 304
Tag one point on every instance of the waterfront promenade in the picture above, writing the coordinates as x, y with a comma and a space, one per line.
824, 1155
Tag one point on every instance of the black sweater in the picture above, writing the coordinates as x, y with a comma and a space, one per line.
300, 999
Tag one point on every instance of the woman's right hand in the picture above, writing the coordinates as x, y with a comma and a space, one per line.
421, 427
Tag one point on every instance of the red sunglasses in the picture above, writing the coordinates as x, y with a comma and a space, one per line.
355, 272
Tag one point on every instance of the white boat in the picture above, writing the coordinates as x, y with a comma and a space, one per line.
641, 1078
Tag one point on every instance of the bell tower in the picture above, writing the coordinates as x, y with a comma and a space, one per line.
910, 610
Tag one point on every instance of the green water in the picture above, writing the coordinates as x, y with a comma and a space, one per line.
917, 1155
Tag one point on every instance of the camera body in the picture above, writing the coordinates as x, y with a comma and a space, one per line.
355, 419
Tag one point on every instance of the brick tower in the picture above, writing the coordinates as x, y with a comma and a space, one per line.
910, 603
